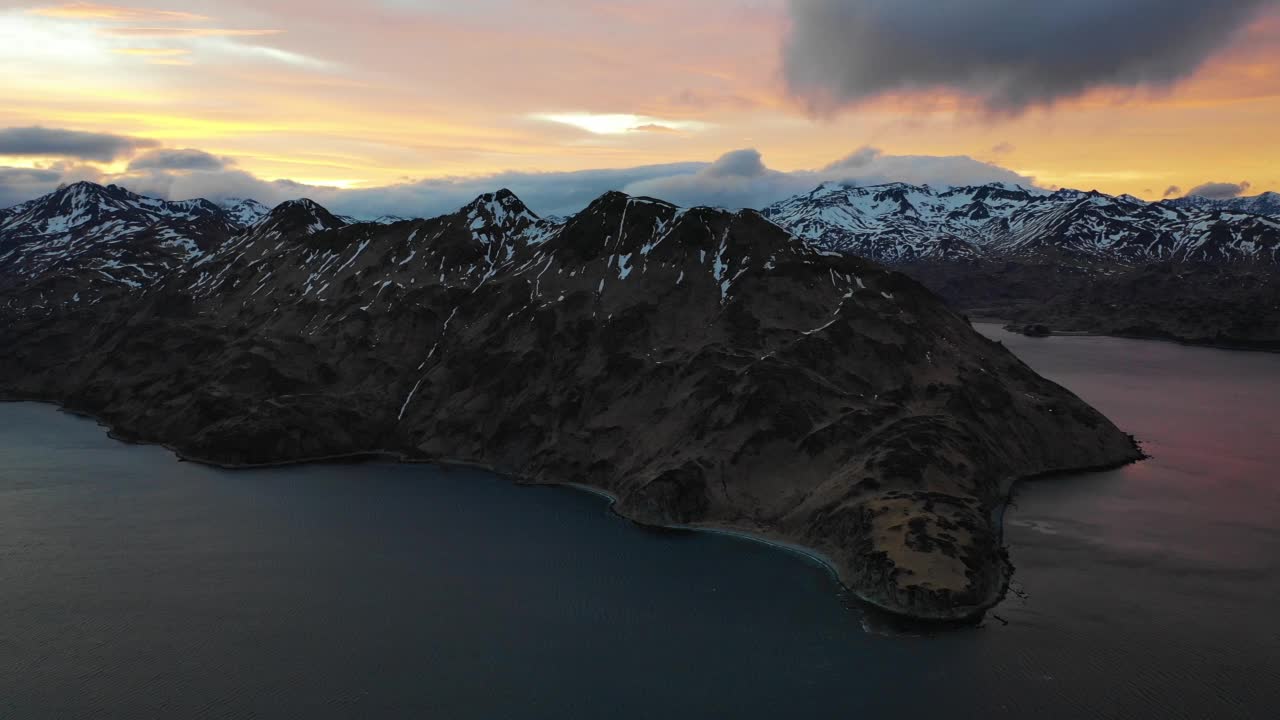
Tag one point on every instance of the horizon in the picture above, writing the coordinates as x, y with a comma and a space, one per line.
744, 103
229, 202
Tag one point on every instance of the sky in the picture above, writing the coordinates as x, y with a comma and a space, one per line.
414, 106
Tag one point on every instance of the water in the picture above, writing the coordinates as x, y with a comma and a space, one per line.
132, 585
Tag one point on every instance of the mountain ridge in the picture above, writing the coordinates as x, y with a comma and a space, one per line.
1064, 258
901, 223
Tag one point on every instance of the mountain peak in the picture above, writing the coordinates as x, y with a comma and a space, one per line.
244, 211
503, 197
501, 210
301, 216
80, 185
85, 189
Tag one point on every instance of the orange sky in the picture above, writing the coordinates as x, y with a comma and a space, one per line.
367, 94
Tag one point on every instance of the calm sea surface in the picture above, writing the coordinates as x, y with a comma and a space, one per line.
135, 586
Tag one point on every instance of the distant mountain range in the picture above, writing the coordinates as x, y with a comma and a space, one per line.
1267, 203
1193, 270
901, 223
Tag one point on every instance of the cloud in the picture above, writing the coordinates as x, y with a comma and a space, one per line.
652, 127
114, 13
53, 142
740, 179
1172, 190
21, 184
184, 32
617, 123
929, 170
187, 159
860, 158
1007, 55
1219, 190
737, 179
559, 193
1003, 148
152, 52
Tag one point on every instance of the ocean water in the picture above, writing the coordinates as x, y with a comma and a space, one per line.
136, 586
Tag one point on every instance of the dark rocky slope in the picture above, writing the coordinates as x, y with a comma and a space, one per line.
704, 367
1194, 303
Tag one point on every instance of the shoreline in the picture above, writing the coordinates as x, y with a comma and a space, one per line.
966, 616
807, 552
1004, 324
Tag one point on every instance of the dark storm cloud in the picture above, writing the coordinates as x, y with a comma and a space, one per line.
1172, 190
1219, 190
186, 159
1007, 54
55, 142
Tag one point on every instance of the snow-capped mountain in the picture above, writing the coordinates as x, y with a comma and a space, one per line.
84, 240
1267, 203
110, 209
296, 218
244, 211
900, 224
289, 254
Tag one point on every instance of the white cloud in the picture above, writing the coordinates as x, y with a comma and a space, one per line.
617, 123
740, 179
736, 180
1219, 190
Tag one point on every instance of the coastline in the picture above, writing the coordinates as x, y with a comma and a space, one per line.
965, 615
1005, 324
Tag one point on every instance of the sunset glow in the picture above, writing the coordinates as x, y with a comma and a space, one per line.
396, 91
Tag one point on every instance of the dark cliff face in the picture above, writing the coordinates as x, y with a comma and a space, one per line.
703, 366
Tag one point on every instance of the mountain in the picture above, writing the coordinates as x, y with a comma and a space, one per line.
1267, 203
243, 212
1196, 272
705, 367
902, 223
294, 218
1193, 303
86, 240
